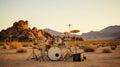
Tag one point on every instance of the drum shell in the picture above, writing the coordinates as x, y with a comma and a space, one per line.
54, 53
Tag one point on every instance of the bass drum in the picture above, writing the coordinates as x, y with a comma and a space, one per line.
54, 53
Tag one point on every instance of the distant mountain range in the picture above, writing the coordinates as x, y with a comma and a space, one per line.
52, 32
56, 33
20, 31
108, 33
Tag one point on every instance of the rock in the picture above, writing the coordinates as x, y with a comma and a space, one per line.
21, 24
20, 31
39, 34
34, 29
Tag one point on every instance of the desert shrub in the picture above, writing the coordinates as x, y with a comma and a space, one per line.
21, 50
113, 47
103, 45
1, 44
90, 48
106, 50
6, 47
15, 45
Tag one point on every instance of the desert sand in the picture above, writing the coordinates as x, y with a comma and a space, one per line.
10, 58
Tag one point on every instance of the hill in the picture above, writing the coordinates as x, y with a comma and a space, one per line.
108, 33
64, 36
56, 33
53, 32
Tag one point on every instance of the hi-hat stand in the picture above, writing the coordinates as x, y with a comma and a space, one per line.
33, 55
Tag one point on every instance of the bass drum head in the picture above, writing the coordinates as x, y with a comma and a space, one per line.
54, 53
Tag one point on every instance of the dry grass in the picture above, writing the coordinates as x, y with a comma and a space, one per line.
91, 46
15, 45
104, 43
21, 50
106, 50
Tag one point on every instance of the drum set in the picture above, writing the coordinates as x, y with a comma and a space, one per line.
52, 51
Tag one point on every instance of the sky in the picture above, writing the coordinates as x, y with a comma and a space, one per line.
83, 15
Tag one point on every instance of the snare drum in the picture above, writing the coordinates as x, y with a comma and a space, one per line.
54, 53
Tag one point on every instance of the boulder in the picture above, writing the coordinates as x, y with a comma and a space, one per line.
20, 31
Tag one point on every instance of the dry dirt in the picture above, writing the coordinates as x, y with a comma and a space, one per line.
10, 58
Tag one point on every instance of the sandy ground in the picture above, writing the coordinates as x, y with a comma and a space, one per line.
9, 58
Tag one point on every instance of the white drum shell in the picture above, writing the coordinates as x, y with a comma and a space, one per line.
52, 53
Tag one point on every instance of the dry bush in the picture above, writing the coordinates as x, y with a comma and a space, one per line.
6, 47
113, 47
106, 50
15, 45
1, 44
21, 50
90, 48
114, 43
